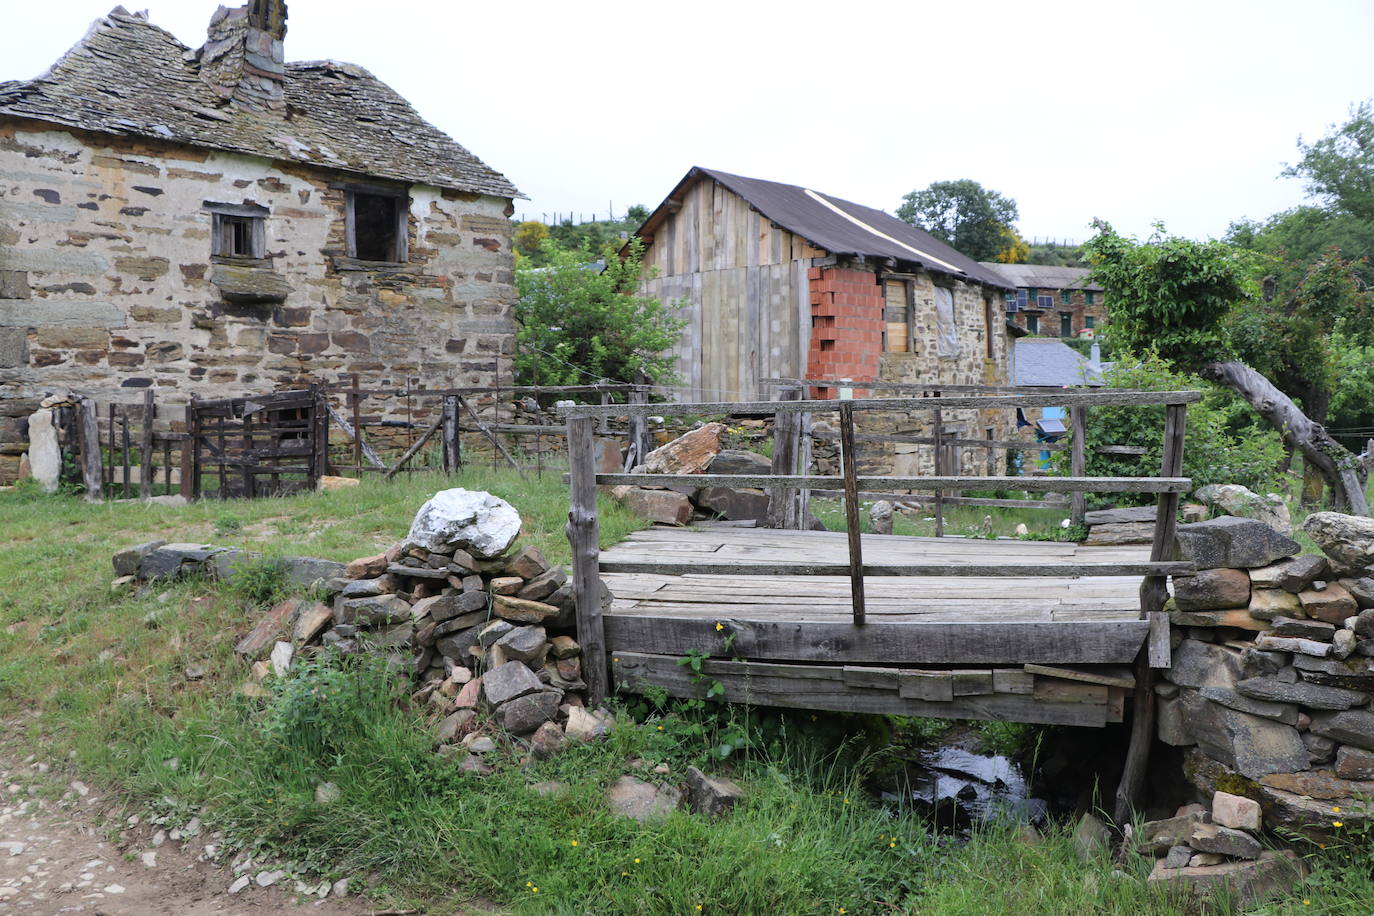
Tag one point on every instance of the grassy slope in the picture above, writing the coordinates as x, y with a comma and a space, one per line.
104, 676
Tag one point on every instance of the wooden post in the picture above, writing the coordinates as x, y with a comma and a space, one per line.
851, 509
1153, 594
782, 503
249, 463
124, 444
320, 435
190, 464
938, 420
145, 464
355, 401
110, 478
88, 436
802, 498
584, 537
1078, 461
640, 444
451, 456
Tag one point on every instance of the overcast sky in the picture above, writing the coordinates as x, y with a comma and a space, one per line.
1134, 112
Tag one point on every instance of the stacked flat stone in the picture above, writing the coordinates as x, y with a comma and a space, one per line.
1273, 668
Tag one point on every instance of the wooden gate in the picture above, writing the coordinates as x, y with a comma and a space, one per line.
263, 445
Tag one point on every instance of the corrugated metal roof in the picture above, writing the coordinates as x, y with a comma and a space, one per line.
130, 77
1042, 276
1043, 361
840, 226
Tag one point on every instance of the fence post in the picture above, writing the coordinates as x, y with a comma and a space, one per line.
851, 509
1078, 461
319, 416
639, 426
782, 503
451, 455
938, 421
145, 463
88, 436
355, 401
190, 462
584, 538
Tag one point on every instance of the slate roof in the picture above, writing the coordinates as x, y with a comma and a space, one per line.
130, 77
1042, 276
1047, 362
839, 226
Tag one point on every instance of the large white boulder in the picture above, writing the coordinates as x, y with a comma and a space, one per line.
471, 520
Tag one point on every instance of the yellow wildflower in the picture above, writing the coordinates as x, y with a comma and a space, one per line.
846, 801
574, 842
636, 861
1336, 810
1337, 823
892, 845
719, 627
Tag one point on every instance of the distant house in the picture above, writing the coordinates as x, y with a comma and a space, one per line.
783, 281
218, 221
1052, 301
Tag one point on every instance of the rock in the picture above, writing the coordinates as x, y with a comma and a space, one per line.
521, 611
1204, 859
1229, 698
1200, 664
734, 504
1177, 857
173, 560
1235, 811
524, 714
475, 765
1257, 662
480, 744
1235, 543
586, 725
1225, 841
1343, 644
1157, 836
1289, 644
1354, 763
1364, 624
1268, 603
547, 740
1300, 572
239, 884
507, 682
527, 563
690, 453
642, 801
327, 793
1122, 533
468, 694
1240, 501
1170, 726
543, 585
711, 796
1253, 745
1022, 530
1271, 875
1303, 629
662, 506
1120, 516
1238, 619
739, 461
492, 632
1322, 750
1319, 784
1212, 589
281, 658
469, 520
564, 647
366, 567
506, 585
452, 726
45, 456
368, 588
1314, 696
305, 571
443, 608
127, 561
1332, 604
1355, 726
272, 626
523, 644
1346, 539
1362, 590
457, 646
372, 612
1092, 837
880, 517
328, 482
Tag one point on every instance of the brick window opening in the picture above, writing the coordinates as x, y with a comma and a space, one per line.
827, 345
376, 226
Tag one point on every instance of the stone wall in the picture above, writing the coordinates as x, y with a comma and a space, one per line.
107, 283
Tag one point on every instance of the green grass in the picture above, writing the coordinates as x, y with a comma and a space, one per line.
103, 675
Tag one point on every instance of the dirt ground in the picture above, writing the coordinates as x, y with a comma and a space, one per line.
67, 855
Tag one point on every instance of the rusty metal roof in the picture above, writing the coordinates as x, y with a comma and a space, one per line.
840, 226
132, 78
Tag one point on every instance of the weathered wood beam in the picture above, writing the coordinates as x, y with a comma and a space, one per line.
1036, 484
851, 510
410, 452
1053, 569
584, 538
88, 437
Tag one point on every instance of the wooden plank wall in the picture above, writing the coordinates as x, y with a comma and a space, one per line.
743, 280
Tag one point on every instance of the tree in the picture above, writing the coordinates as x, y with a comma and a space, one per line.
963, 214
580, 323
529, 235
1339, 167
1015, 249
1180, 298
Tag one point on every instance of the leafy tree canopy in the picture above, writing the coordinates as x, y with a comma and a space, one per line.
963, 214
1339, 168
580, 323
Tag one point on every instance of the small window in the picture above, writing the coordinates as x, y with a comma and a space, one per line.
237, 230
1022, 298
376, 226
1033, 324
1066, 324
1044, 302
1065, 296
1089, 321
1088, 296
1030, 293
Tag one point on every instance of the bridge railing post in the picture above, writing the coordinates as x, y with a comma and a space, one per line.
1078, 461
784, 505
584, 537
851, 509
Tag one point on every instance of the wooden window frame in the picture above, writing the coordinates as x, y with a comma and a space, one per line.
221, 215
1065, 297
401, 245
1089, 321
1087, 297
989, 324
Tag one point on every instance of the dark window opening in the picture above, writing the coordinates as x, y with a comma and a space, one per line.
375, 228
1033, 324
1065, 296
237, 236
1088, 297
1089, 321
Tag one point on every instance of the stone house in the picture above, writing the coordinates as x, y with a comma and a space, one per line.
1052, 301
220, 221
783, 281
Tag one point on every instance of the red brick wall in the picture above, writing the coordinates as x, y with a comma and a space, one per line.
846, 325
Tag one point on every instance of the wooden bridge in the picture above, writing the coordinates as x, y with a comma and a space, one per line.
1045, 632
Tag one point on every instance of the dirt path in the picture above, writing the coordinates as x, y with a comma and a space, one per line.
63, 856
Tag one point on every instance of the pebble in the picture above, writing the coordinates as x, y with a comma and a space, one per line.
239, 884
269, 878
149, 859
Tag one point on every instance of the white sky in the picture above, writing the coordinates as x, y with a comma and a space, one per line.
1180, 111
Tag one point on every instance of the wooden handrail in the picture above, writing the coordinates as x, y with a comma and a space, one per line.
1056, 570
816, 481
